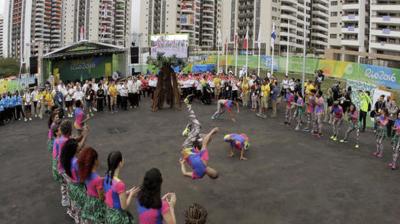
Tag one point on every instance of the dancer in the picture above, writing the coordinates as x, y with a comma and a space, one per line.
381, 122
94, 208
395, 142
198, 159
152, 208
353, 126
299, 110
79, 115
117, 198
239, 142
289, 97
310, 109
192, 130
225, 105
319, 113
337, 118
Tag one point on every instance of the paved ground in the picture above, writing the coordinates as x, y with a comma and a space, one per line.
290, 177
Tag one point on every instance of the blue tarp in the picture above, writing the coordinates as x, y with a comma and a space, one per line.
203, 68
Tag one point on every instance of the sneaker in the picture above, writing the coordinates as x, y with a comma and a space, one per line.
212, 118
357, 146
306, 129
30, 119
25, 119
35, 115
392, 166
297, 129
380, 155
343, 141
185, 132
334, 139
375, 153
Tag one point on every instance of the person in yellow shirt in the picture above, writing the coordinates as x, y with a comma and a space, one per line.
112, 91
48, 98
217, 82
245, 91
265, 91
309, 87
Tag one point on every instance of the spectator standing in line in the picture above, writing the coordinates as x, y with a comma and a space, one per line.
100, 95
365, 107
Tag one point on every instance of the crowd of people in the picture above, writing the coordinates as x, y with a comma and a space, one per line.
95, 199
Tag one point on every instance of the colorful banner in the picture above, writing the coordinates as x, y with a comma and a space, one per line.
169, 45
376, 75
13, 84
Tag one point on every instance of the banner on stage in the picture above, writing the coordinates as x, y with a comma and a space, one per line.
169, 45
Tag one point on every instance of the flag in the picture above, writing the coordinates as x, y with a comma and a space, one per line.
273, 35
246, 39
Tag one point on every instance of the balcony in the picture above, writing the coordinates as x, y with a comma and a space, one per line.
384, 7
351, 30
351, 6
386, 33
354, 18
353, 43
385, 46
386, 20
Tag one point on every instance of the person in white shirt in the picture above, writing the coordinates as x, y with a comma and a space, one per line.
136, 91
78, 94
27, 100
285, 86
68, 100
36, 101
235, 89
292, 84
130, 86
123, 91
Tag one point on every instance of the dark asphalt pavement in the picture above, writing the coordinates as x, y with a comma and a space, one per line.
290, 177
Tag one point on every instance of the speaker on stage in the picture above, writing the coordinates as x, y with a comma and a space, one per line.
134, 55
33, 65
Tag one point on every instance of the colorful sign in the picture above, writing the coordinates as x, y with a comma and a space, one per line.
169, 45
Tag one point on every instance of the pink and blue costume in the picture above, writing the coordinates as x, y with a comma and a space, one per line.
94, 184
238, 141
74, 170
79, 116
112, 192
151, 215
57, 148
196, 159
228, 105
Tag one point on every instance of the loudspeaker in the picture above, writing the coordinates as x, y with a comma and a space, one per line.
33, 65
134, 55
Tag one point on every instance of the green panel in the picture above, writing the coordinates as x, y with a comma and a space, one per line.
81, 69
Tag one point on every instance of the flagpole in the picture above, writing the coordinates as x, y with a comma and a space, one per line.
218, 45
247, 50
236, 54
304, 47
226, 55
259, 51
287, 49
273, 51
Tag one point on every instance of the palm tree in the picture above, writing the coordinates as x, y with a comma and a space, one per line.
167, 85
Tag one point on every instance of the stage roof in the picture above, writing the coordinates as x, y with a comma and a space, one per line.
84, 47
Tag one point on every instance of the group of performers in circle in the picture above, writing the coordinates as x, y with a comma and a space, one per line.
91, 198
194, 151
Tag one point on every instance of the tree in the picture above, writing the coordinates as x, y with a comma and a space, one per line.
167, 85
9, 66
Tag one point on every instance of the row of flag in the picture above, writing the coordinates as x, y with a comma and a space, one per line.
246, 38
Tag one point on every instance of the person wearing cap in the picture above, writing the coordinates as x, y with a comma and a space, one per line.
337, 115
239, 142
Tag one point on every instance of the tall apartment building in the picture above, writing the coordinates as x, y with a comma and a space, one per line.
348, 26
17, 29
384, 35
106, 21
294, 12
240, 16
198, 18
1, 36
46, 25
319, 25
